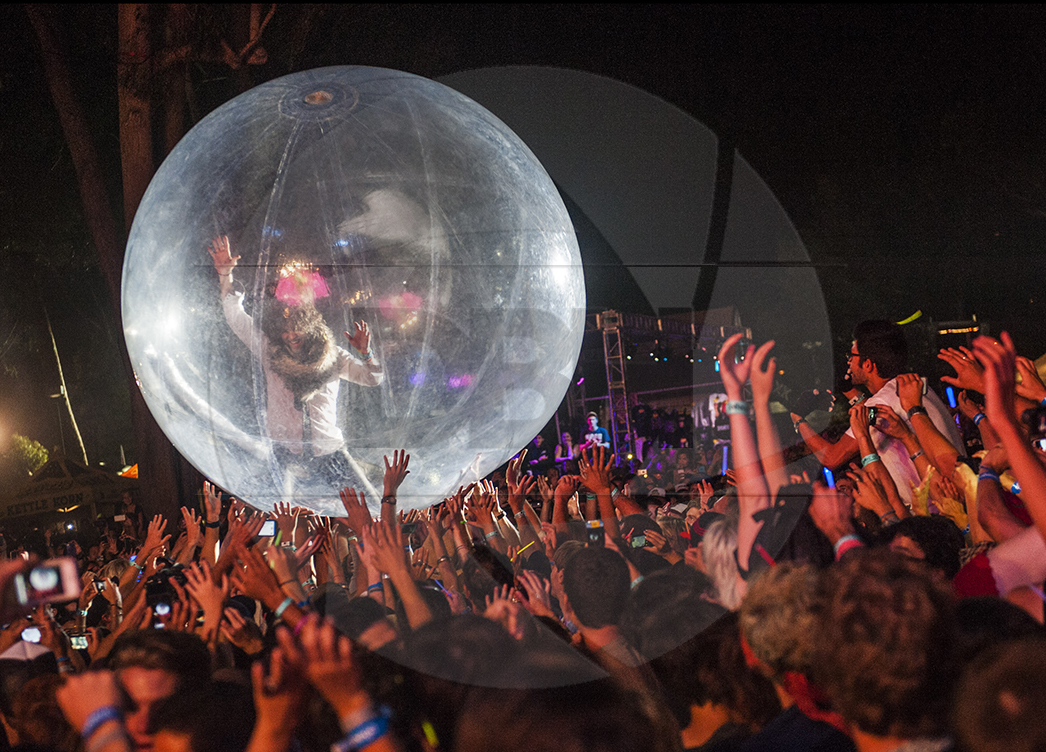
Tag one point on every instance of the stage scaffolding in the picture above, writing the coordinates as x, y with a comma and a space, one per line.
691, 330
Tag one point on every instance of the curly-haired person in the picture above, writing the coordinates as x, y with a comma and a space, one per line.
884, 655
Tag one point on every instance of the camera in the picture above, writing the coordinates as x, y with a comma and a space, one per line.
53, 580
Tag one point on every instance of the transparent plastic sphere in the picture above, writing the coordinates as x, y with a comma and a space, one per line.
352, 195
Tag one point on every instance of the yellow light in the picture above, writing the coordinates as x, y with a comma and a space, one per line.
962, 330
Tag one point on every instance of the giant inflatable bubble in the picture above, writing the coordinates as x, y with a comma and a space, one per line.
352, 195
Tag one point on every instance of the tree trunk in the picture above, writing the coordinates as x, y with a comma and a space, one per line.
133, 81
160, 474
97, 209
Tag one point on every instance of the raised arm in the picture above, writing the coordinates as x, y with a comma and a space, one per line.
224, 262
769, 442
999, 361
940, 451
753, 494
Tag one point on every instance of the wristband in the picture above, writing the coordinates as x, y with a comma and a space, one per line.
917, 410
82, 611
213, 525
366, 356
287, 603
518, 515
388, 499
851, 538
375, 587
491, 534
987, 473
303, 604
637, 580
1015, 489
363, 735
869, 459
978, 418
287, 582
98, 718
1043, 402
917, 455
891, 513
736, 407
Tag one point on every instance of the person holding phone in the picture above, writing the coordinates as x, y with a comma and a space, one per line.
877, 357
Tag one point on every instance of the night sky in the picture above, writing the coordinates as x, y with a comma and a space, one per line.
906, 144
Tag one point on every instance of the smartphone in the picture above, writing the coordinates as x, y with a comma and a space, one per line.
100, 584
872, 412
596, 533
120, 518
268, 529
31, 634
641, 472
53, 580
638, 541
78, 641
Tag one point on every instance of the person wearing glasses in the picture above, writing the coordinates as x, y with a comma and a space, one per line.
877, 357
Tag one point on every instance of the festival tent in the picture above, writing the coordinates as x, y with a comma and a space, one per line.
67, 491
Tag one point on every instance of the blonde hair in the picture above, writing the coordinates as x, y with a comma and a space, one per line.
717, 549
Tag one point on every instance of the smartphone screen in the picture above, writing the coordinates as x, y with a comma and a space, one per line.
638, 541
53, 580
79, 642
268, 529
31, 634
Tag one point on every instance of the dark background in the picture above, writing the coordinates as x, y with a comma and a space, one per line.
905, 142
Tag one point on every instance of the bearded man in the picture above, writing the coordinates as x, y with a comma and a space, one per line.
303, 368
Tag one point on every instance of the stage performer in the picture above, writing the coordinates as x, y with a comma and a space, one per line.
303, 368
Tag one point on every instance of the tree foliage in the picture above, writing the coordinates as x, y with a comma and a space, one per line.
27, 454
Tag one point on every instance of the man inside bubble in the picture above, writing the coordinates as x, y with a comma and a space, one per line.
303, 368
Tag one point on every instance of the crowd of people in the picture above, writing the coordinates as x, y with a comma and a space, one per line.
541, 610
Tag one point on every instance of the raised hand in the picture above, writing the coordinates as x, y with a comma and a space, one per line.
890, 423
539, 593
762, 378
383, 548
734, 375
967, 406
255, 579
155, 532
704, 493
859, 420
505, 609
329, 665
396, 472
595, 466
870, 494
1030, 386
830, 511
360, 338
207, 593
212, 503
241, 632
192, 528
969, 374
221, 254
286, 519
1000, 383
910, 390
357, 514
